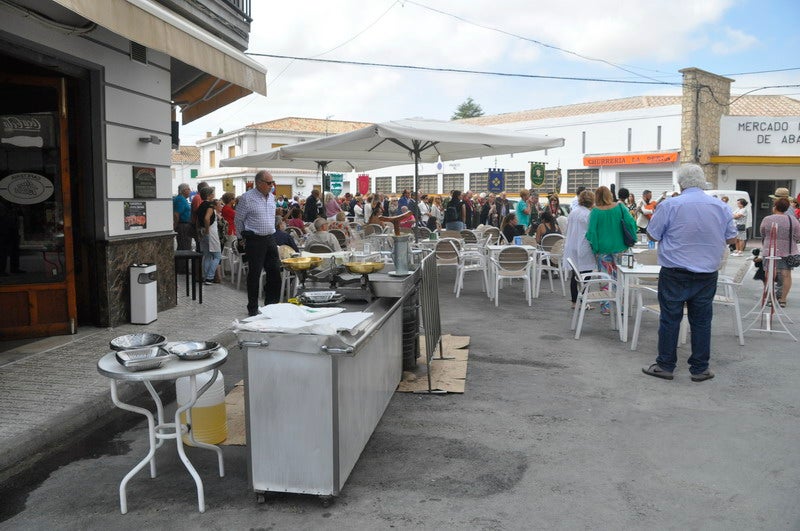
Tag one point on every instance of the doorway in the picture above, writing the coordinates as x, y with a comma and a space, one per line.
760, 192
37, 273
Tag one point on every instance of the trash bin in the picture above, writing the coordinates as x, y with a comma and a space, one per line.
144, 293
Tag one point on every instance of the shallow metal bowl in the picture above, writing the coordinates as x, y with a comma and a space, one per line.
142, 359
193, 350
136, 341
364, 267
302, 263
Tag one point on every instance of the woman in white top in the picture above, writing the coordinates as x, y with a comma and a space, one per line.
424, 209
740, 217
576, 246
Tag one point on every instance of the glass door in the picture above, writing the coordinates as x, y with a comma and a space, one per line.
36, 264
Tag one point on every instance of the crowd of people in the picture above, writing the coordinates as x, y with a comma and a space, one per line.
692, 229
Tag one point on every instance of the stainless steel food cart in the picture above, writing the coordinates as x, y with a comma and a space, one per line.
313, 401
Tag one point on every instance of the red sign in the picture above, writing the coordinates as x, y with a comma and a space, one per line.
625, 160
363, 184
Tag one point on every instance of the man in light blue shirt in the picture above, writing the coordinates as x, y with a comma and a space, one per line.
255, 221
692, 230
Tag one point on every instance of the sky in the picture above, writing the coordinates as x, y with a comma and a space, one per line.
636, 46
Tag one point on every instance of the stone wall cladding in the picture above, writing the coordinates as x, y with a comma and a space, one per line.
118, 255
706, 98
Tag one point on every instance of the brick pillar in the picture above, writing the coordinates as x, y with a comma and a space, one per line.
706, 98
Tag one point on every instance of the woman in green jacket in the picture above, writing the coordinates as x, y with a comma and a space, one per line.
605, 233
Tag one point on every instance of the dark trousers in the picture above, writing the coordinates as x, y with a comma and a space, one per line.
573, 285
677, 287
262, 254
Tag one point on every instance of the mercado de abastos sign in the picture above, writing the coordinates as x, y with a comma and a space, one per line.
766, 136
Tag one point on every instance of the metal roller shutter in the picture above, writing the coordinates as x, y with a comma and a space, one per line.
655, 181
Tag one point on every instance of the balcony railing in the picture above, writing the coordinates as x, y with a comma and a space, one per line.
243, 6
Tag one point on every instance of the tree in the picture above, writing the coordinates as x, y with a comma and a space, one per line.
468, 109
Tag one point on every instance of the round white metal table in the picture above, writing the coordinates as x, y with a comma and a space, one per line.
172, 369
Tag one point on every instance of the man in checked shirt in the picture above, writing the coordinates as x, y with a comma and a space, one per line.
255, 222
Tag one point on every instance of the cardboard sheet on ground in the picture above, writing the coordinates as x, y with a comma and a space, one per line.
234, 409
448, 375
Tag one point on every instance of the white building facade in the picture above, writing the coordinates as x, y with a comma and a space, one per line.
90, 92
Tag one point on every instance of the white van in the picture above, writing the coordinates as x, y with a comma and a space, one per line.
733, 196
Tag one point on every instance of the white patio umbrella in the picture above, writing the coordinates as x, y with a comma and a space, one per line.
419, 140
278, 158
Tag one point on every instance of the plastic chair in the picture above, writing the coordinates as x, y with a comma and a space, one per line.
549, 240
448, 254
728, 295
296, 234
340, 237
512, 262
468, 236
492, 234
529, 240
450, 234
318, 248
551, 262
238, 263
590, 290
424, 233
471, 260
655, 309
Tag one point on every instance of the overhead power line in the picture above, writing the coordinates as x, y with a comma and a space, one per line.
461, 70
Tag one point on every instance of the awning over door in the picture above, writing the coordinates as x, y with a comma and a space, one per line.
217, 73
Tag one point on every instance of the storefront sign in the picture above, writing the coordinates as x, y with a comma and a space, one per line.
144, 182
135, 215
25, 188
628, 159
775, 136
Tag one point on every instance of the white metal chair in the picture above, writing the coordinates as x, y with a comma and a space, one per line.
727, 295
513, 262
596, 287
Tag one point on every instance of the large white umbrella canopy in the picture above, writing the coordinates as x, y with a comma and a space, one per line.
419, 140
278, 158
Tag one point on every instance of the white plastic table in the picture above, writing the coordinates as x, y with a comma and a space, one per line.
627, 276
172, 369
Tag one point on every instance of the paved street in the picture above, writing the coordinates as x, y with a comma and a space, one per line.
552, 433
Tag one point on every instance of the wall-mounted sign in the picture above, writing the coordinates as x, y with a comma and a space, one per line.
777, 136
135, 213
25, 188
628, 159
144, 182
228, 186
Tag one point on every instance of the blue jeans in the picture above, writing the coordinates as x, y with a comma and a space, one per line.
455, 225
677, 287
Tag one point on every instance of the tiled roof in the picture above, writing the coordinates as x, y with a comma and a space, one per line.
186, 155
309, 125
744, 106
